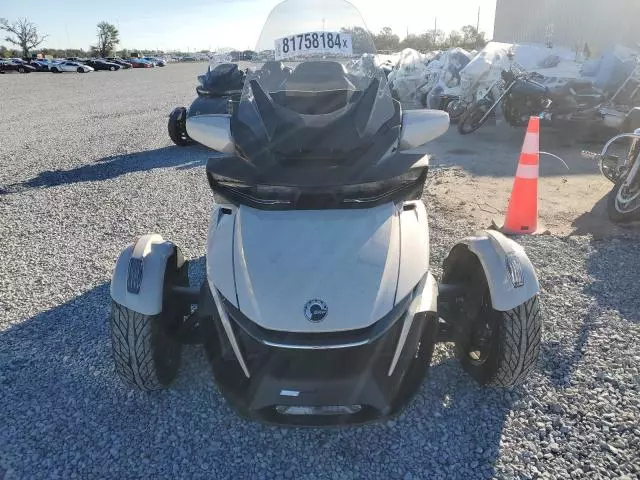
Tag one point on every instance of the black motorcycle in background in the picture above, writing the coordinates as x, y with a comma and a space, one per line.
523, 95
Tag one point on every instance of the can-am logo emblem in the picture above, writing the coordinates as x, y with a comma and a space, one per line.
315, 310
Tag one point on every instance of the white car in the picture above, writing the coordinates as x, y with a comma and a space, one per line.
67, 66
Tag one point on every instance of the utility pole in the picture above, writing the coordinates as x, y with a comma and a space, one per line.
435, 31
478, 28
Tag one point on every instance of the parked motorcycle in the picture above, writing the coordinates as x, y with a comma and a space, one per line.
476, 114
575, 103
623, 202
218, 91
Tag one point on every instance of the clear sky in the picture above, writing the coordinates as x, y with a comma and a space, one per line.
213, 24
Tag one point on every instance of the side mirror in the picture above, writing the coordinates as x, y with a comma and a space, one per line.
422, 126
214, 131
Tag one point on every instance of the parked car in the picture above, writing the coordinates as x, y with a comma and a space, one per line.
158, 62
123, 63
12, 66
40, 65
67, 66
140, 63
98, 64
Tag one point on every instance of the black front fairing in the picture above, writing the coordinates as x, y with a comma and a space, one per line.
298, 136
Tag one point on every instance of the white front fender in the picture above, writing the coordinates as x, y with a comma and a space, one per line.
510, 274
138, 279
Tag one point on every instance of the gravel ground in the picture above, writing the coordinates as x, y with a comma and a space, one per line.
89, 166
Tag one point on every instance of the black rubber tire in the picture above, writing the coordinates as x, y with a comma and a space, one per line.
21, 70
454, 115
80, 70
614, 215
54, 70
145, 349
514, 351
145, 355
513, 345
470, 120
177, 128
112, 68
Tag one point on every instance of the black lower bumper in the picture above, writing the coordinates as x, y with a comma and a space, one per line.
320, 387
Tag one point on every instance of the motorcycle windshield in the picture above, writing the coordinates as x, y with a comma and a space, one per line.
316, 98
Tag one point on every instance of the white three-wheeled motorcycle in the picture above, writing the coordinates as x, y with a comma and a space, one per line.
319, 307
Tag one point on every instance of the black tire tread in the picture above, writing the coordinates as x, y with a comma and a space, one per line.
133, 348
179, 137
465, 118
519, 344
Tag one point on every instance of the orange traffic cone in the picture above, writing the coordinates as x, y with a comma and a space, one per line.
522, 212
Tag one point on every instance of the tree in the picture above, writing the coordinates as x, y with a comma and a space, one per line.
108, 38
361, 40
472, 38
3, 51
454, 39
387, 40
22, 33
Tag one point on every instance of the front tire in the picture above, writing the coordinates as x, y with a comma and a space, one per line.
496, 348
177, 127
80, 70
619, 212
471, 120
21, 70
145, 354
510, 352
112, 69
146, 350
455, 109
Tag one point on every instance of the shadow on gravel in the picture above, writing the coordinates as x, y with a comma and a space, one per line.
64, 412
613, 267
111, 167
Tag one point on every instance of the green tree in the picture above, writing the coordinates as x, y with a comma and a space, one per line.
472, 38
362, 40
454, 39
3, 51
23, 34
108, 38
387, 40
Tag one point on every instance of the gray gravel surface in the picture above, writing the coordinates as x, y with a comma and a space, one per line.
89, 166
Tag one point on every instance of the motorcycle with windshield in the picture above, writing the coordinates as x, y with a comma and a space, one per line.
319, 306
218, 91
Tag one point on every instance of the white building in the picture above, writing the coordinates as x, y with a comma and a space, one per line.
572, 23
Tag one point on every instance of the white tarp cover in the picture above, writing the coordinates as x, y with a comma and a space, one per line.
411, 73
556, 64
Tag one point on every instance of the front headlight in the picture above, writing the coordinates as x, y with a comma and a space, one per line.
404, 187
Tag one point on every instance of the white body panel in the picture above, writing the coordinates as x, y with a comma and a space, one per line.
349, 259
414, 247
